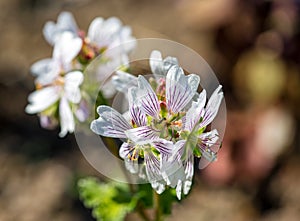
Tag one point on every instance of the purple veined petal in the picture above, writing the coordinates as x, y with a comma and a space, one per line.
210, 138
66, 49
152, 165
67, 123
195, 112
142, 135
131, 165
180, 89
65, 22
189, 166
208, 148
171, 168
72, 81
137, 115
110, 123
212, 107
41, 99
178, 151
125, 150
123, 81
145, 98
156, 64
164, 147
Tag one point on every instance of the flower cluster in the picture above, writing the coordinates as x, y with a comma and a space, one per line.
166, 125
58, 97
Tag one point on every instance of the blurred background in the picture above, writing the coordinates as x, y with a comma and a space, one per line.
254, 48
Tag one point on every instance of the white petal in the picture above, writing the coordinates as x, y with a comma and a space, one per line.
212, 107
65, 22
124, 150
187, 186
168, 62
153, 172
208, 148
40, 100
110, 123
189, 166
172, 171
138, 116
67, 48
209, 138
195, 112
95, 28
145, 98
72, 82
67, 123
108, 90
156, 63
41, 67
142, 135
123, 81
158, 187
131, 165
103, 33
49, 32
179, 189
180, 89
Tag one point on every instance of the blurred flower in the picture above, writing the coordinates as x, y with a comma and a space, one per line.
58, 78
63, 89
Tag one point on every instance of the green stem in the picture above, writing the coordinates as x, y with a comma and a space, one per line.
157, 207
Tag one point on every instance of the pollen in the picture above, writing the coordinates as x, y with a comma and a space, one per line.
59, 81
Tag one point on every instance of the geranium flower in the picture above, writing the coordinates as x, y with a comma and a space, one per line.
159, 67
64, 90
102, 35
56, 82
62, 61
153, 127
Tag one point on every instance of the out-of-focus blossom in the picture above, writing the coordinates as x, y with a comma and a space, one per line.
65, 91
58, 98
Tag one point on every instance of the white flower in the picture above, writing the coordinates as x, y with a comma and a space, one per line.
159, 66
65, 23
141, 139
147, 130
64, 52
63, 90
103, 35
110, 33
167, 126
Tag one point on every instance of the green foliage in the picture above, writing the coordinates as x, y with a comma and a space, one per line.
166, 199
108, 201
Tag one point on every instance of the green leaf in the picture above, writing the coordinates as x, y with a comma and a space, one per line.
108, 201
166, 200
146, 194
